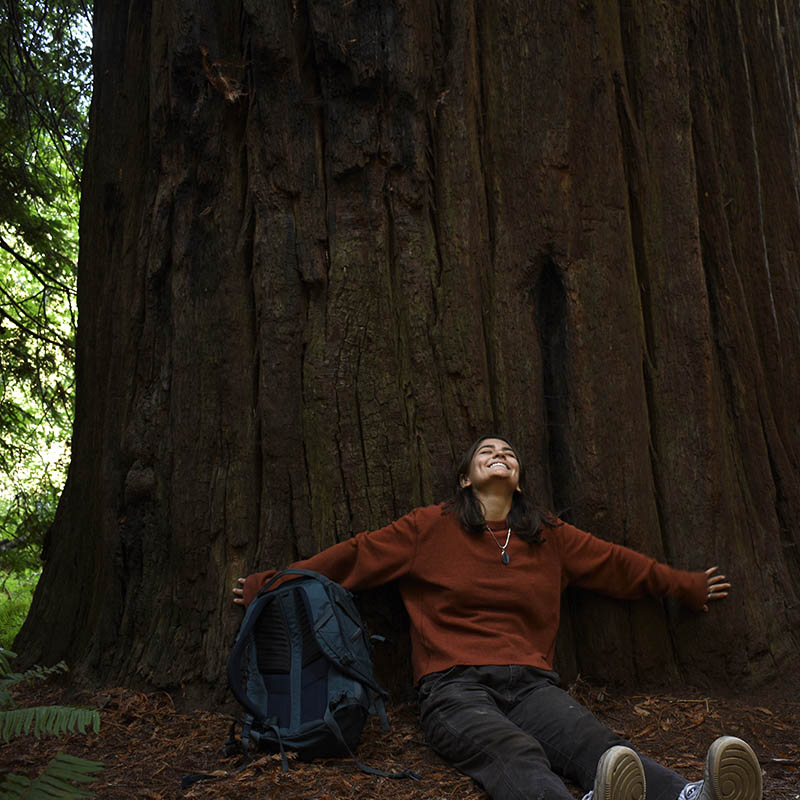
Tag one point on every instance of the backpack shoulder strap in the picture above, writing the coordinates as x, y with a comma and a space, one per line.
235, 658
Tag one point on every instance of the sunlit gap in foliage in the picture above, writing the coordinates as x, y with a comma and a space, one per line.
45, 90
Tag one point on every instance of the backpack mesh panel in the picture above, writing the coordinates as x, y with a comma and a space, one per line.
271, 637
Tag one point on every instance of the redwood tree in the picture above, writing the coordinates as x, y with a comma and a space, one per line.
325, 243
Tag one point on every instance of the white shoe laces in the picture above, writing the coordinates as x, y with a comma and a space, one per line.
691, 790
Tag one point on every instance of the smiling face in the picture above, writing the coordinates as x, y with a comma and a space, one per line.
493, 465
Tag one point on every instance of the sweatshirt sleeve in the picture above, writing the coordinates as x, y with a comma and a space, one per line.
592, 563
364, 561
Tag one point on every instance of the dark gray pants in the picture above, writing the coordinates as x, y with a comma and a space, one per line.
514, 731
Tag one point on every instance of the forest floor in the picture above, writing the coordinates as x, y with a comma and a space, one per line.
148, 746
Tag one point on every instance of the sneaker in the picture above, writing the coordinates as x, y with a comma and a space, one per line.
732, 771
619, 776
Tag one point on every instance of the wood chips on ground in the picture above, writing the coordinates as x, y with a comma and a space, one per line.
148, 747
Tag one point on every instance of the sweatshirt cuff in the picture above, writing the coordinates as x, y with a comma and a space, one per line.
697, 594
253, 584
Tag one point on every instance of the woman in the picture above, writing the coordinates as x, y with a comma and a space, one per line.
481, 577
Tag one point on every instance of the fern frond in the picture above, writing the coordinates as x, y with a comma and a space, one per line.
6, 657
49, 720
36, 673
15, 722
9, 679
56, 780
6, 699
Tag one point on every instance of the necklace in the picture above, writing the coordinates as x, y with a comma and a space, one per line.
504, 556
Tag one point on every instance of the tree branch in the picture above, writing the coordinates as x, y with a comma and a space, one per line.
41, 275
64, 344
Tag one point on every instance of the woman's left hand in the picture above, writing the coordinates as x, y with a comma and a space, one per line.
717, 586
238, 592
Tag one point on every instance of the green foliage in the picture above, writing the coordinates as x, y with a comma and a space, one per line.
39, 720
16, 593
55, 781
5, 668
29, 492
9, 679
63, 771
45, 83
51, 720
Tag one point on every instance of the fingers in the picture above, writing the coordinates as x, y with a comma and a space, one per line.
238, 592
716, 582
718, 585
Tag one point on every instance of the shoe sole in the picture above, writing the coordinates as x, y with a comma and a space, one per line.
732, 771
620, 776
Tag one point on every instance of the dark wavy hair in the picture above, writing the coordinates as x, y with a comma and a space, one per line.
525, 518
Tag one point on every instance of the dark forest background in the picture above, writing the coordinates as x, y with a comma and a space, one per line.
323, 245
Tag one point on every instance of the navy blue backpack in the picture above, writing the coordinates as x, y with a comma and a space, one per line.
301, 668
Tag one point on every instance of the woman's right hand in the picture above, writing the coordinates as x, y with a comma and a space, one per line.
238, 592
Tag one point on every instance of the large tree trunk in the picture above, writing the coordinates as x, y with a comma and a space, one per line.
320, 259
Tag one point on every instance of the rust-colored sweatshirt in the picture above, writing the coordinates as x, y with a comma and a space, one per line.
466, 606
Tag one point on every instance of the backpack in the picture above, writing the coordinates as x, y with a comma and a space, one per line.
301, 668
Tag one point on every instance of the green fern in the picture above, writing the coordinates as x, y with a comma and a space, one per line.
6, 656
55, 781
9, 679
35, 673
50, 720
57, 778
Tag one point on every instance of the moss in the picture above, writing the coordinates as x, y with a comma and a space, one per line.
15, 600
